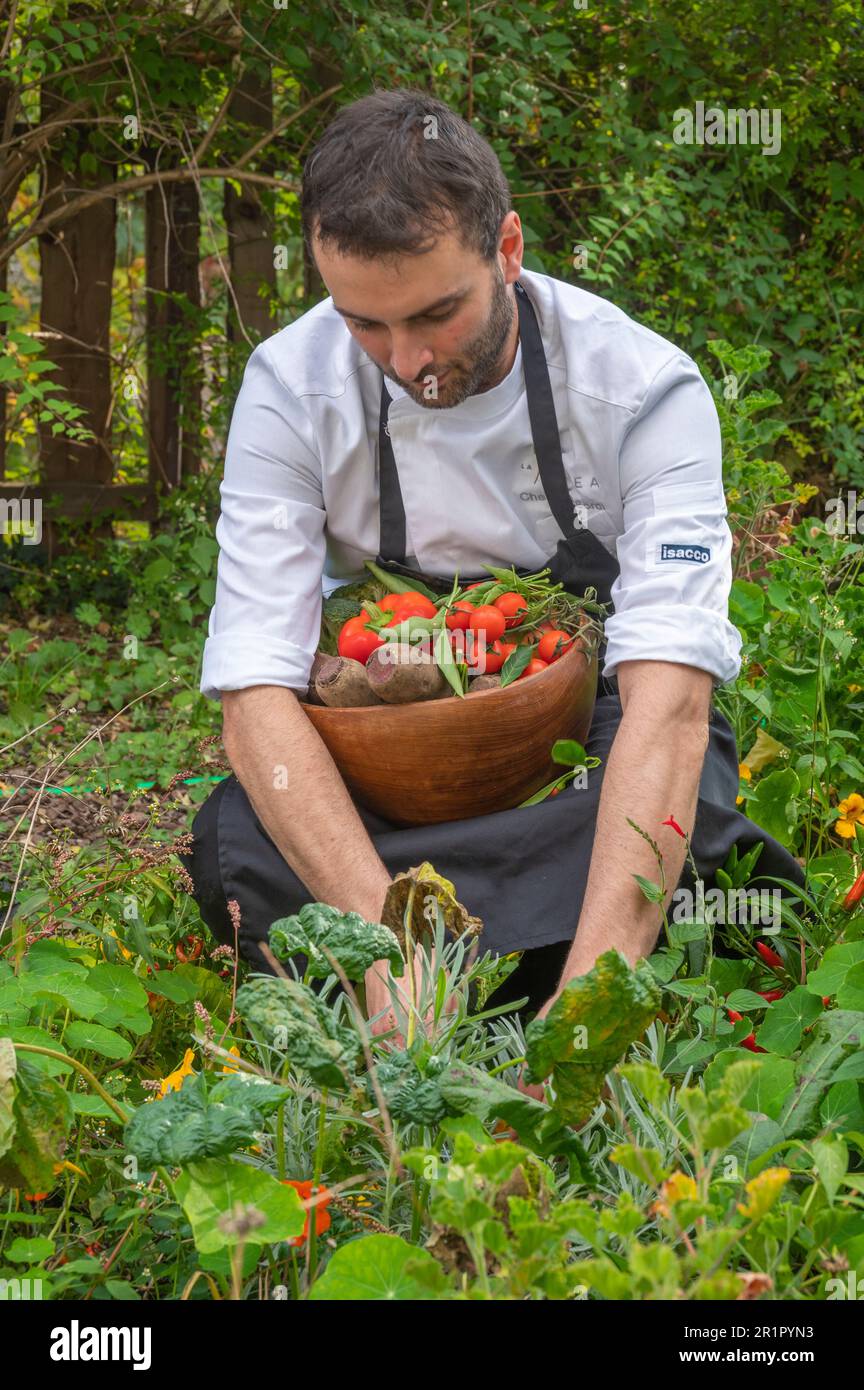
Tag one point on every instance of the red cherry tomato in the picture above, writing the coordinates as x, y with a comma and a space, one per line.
476, 584
496, 655
489, 622
390, 602
553, 644
534, 667
513, 606
458, 617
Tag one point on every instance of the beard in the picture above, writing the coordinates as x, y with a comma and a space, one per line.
479, 367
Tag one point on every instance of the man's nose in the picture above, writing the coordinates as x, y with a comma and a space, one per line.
408, 357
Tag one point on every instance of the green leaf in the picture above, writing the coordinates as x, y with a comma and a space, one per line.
588, 1029
356, 943
66, 989
41, 1112
217, 1189
93, 1037
193, 1124
29, 1250
468, 1089
772, 804
374, 1269
818, 1066
835, 969
831, 1159
122, 993
293, 1019
786, 1020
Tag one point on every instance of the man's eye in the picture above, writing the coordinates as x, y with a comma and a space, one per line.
362, 327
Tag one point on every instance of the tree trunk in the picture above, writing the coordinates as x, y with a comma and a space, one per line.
77, 267
249, 223
173, 356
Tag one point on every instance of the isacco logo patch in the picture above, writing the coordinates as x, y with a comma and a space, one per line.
696, 554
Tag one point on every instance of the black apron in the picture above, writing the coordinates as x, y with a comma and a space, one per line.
522, 871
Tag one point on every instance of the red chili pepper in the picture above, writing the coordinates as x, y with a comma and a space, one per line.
770, 957
189, 948
670, 820
855, 894
751, 1044
734, 1016
771, 995
826, 1000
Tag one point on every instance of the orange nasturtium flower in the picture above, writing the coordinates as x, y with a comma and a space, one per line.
744, 775
303, 1188
175, 1079
234, 1052
850, 811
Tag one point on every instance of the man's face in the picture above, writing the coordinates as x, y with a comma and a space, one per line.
437, 324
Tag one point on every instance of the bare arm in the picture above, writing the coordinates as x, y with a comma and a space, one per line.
653, 772
301, 799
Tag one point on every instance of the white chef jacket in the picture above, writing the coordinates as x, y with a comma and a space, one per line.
640, 440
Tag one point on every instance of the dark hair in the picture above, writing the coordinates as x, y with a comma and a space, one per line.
376, 184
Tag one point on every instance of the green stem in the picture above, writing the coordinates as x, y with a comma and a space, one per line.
280, 1139
79, 1067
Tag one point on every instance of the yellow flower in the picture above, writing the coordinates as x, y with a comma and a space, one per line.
853, 688
73, 1168
235, 1052
745, 775
175, 1079
763, 1191
849, 811
126, 954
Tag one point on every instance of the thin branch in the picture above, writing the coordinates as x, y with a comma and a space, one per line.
124, 187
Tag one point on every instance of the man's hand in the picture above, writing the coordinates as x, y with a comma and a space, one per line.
378, 997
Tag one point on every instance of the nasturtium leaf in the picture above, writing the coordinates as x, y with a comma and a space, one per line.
785, 1021
42, 1114
93, 1037
831, 973
219, 1190
29, 1249
65, 989
169, 985
842, 1107
375, 1269
588, 1029
355, 943
763, 1134
122, 993
294, 1020
190, 1124
770, 804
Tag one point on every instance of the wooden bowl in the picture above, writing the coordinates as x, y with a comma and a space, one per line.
451, 759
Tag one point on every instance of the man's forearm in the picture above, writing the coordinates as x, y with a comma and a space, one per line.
301, 799
653, 771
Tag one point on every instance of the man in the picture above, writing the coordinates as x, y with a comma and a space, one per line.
445, 408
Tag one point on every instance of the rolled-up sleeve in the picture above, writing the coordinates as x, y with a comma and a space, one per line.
265, 621
672, 596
